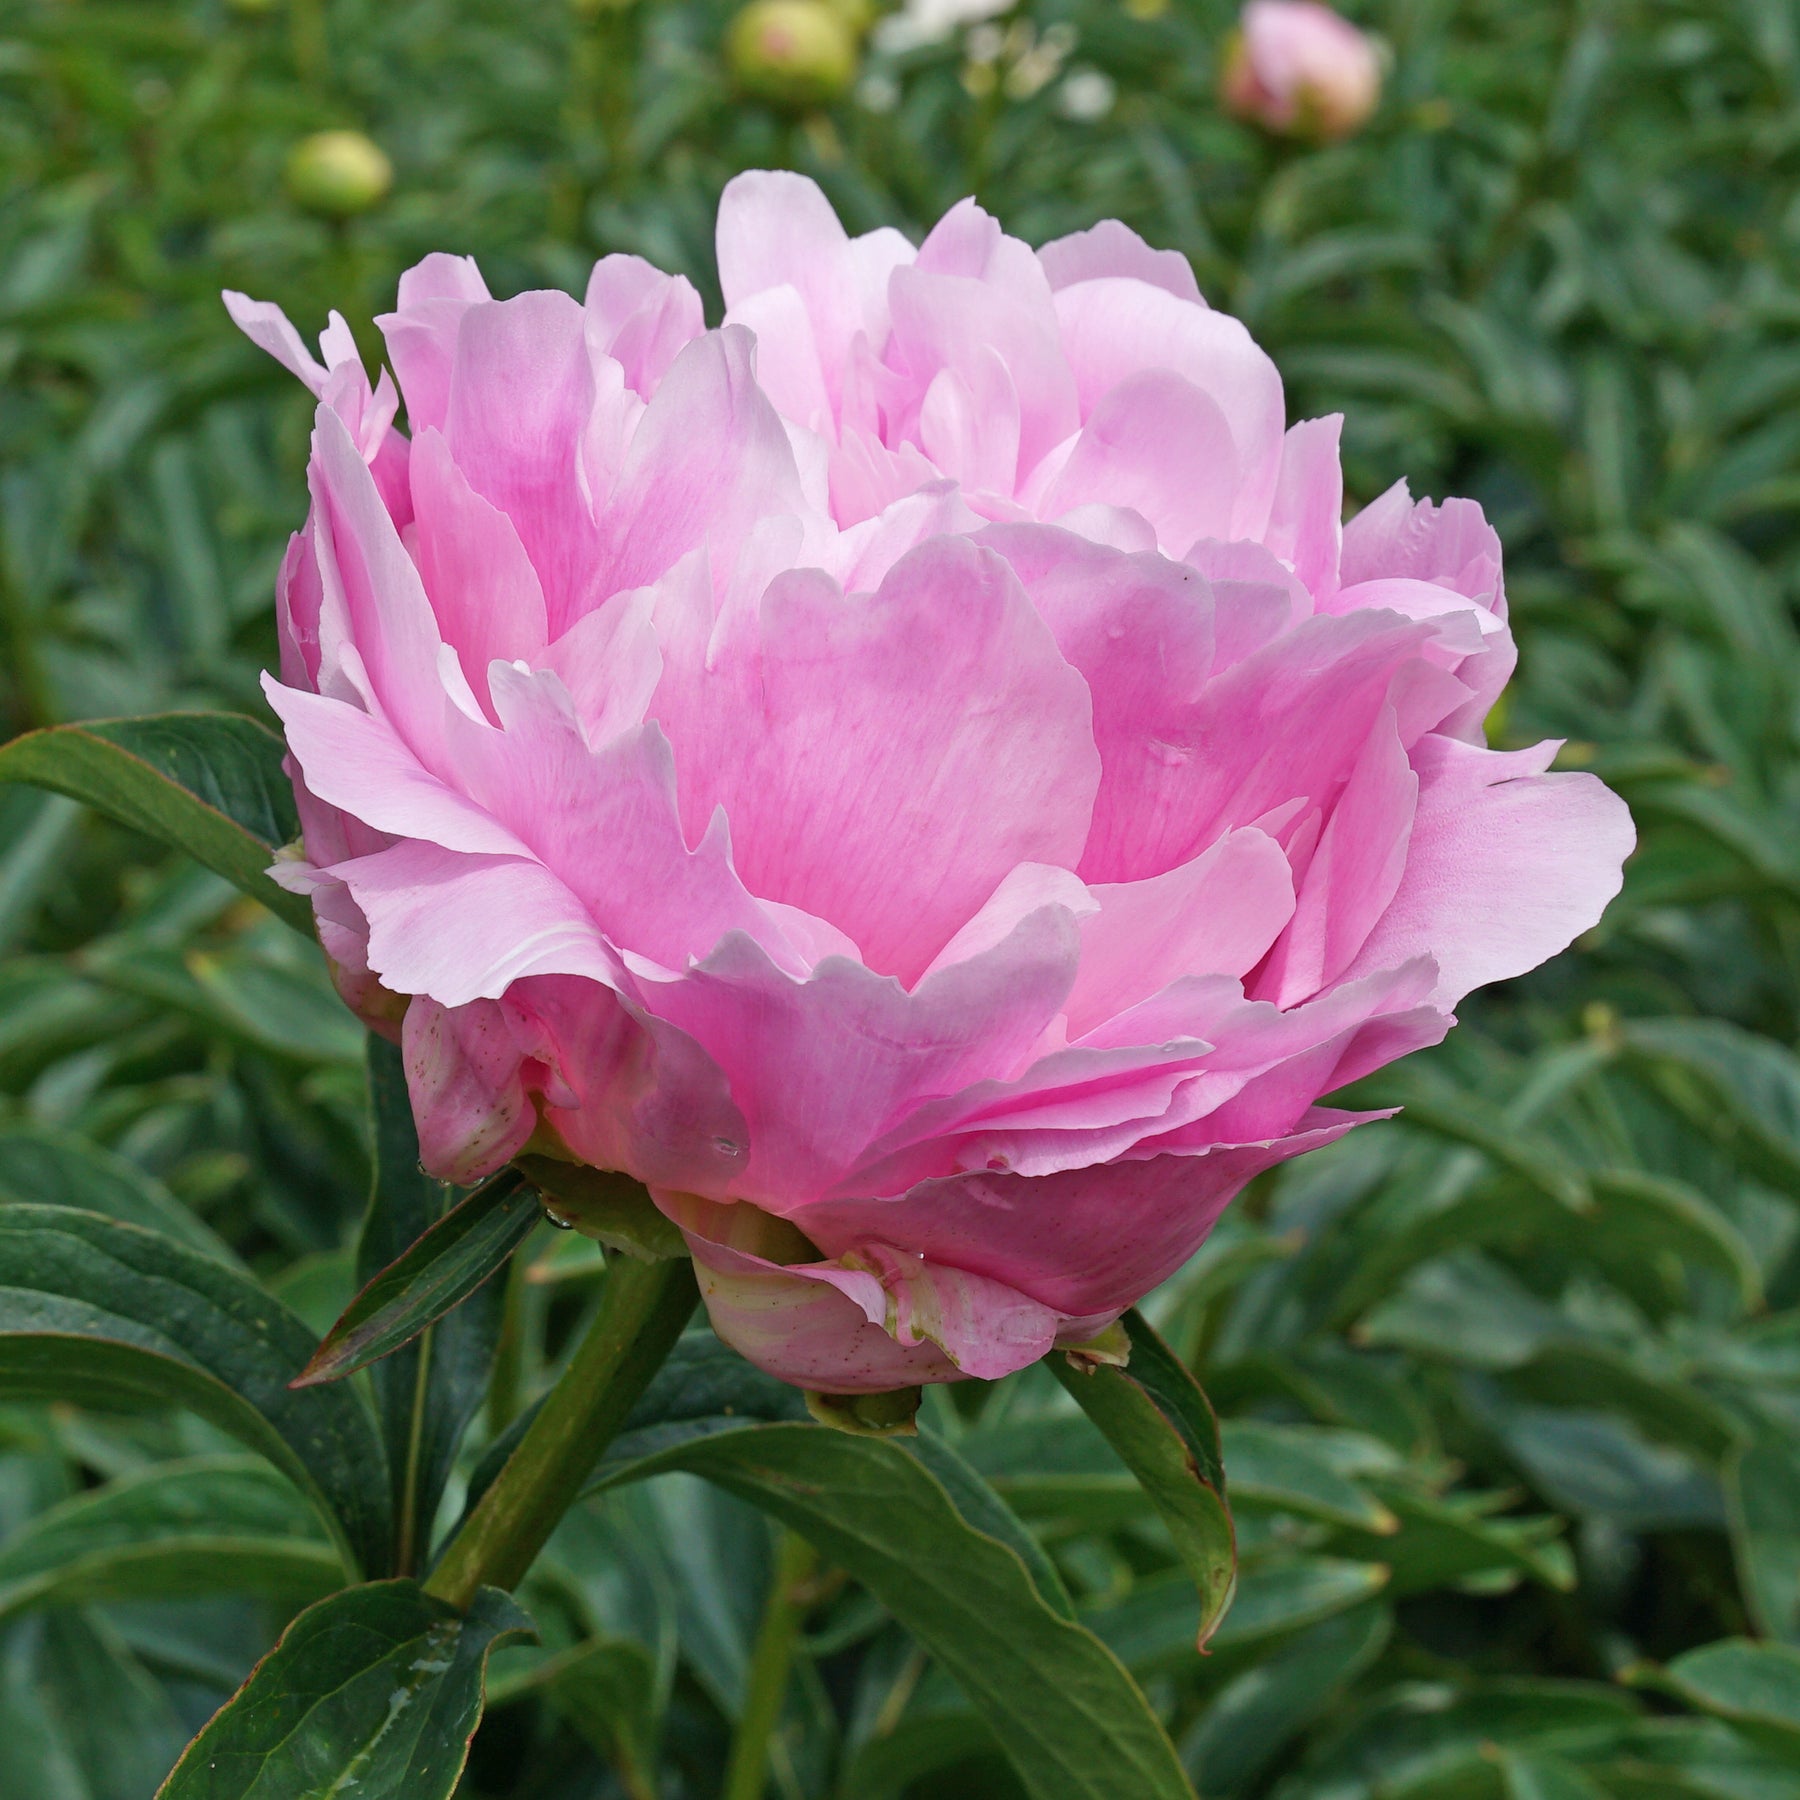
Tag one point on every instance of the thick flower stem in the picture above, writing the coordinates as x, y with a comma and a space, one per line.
643, 1308
770, 1661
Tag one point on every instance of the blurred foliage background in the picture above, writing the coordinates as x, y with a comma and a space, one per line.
1511, 1386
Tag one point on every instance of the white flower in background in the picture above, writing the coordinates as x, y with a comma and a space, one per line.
922, 22
1086, 95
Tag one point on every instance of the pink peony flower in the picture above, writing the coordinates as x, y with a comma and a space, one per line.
917, 776
1298, 68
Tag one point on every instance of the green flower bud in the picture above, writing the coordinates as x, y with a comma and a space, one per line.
793, 52
339, 173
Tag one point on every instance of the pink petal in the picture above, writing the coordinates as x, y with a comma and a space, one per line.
610, 663
1215, 915
1087, 1241
461, 928
641, 318
777, 230
1110, 248
1306, 521
1140, 630
709, 460
422, 329
267, 327
1113, 329
1162, 447
469, 1100
359, 763
484, 591
624, 1090
975, 749
1352, 875
1507, 866
1238, 754
973, 291
521, 394
374, 614
1452, 545
823, 1066
875, 1319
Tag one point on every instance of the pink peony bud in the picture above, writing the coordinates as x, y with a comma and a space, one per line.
1297, 68
918, 776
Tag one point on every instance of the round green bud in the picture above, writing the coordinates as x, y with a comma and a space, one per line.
339, 173
793, 52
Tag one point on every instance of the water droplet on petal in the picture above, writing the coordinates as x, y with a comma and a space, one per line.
726, 1147
552, 1217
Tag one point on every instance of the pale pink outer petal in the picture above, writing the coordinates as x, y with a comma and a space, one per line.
1507, 865
641, 318
421, 332
376, 621
1111, 248
1306, 527
267, 327
461, 928
1112, 329
777, 229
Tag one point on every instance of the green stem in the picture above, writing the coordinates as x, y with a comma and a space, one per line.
770, 1661
406, 1554
643, 1307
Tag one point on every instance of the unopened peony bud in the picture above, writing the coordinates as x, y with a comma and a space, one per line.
794, 52
339, 173
1297, 68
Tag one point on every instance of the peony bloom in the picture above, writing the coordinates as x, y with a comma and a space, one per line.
1297, 68
917, 776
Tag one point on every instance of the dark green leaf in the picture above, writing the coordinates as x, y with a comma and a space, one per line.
1154, 1415
214, 1525
208, 784
1282, 1466
441, 1270
106, 1314
1762, 1490
1252, 1718
1068, 1715
608, 1690
376, 1690
1155, 1624
1755, 1687
56, 1168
